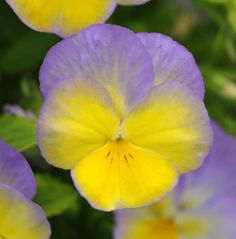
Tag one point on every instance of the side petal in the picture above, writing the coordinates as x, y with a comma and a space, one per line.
129, 178
21, 218
77, 118
173, 62
64, 18
15, 171
172, 122
110, 54
132, 2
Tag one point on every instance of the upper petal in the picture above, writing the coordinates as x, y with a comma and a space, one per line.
112, 55
173, 62
64, 18
131, 2
172, 122
15, 171
77, 117
21, 218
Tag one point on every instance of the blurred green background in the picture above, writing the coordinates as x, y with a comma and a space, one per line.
206, 27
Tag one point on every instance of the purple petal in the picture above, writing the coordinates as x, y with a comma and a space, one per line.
218, 215
110, 54
16, 110
215, 175
15, 171
173, 62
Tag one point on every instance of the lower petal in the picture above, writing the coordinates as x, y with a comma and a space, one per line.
121, 175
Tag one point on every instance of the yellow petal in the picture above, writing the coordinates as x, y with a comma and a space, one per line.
151, 229
62, 17
172, 122
121, 175
77, 118
20, 218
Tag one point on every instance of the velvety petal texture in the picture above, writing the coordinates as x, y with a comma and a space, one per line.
64, 18
77, 118
15, 171
201, 206
172, 122
173, 62
125, 139
110, 54
124, 179
21, 218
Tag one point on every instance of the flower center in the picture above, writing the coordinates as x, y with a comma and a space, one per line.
166, 229
120, 150
151, 229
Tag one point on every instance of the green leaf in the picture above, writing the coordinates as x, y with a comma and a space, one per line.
26, 53
18, 131
54, 196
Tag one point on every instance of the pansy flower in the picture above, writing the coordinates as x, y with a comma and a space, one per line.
201, 206
68, 17
124, 112
20, 217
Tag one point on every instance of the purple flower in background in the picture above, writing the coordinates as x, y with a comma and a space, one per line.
124, 112
16, 110
203, 205
20, 217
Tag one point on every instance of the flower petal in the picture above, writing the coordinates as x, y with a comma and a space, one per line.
124, 177
77, 118
172, 122
21, 218
213, 219
155, 221
214, 176
173, 62
151, 229
131, 2
15, 171
110, 54
64, 18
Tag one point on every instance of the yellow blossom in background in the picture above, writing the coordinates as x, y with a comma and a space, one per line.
65, 18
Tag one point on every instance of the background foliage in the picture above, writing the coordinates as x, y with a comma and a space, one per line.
206, 27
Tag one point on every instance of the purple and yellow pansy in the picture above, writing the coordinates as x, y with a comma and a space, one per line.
124, 112
20, 217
